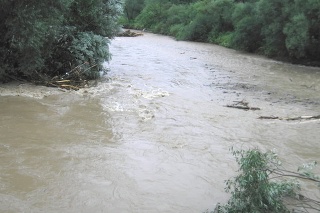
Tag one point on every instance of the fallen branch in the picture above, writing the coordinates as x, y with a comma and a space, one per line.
304, 117
129, 33
242, 105
72, 80
66, 86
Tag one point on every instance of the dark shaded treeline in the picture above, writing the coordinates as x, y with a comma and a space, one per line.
43, 39
283, 29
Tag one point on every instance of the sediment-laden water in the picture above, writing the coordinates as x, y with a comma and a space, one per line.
154, 134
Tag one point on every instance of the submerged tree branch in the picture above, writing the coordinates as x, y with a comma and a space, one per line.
242, 105
303, 117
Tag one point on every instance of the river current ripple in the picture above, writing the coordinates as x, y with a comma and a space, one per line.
154, 134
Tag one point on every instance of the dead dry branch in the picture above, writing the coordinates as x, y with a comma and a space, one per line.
72, 80
303, 117
129, 33
242, 105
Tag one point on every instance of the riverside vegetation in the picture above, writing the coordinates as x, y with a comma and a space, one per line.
59, 42
263, 185
283, 29
49, 41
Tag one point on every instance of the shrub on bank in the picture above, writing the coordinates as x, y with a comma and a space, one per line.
283, 29
262, 185
40, 40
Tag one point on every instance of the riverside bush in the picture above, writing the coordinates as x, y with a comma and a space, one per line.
276, 28
264, 186
40, 40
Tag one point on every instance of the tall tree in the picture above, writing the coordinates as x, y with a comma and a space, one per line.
47, 38
247, 27
133, 8
274, 16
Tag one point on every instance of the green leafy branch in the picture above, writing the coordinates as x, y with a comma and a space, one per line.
264, 186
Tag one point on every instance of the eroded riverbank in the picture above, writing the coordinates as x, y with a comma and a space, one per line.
154, 135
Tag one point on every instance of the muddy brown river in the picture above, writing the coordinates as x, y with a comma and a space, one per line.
154, 134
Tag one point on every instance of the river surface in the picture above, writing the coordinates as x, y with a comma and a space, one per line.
154, 134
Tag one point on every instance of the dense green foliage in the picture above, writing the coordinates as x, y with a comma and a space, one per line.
288, 29
264, 186
42, 39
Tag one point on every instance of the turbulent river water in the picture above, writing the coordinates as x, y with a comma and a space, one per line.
154, 134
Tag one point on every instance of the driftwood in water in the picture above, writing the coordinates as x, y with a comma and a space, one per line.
304, 117
242, 105
129, 33
72, 80
68, 84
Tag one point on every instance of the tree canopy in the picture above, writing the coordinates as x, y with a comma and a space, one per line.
286, 29
43, 39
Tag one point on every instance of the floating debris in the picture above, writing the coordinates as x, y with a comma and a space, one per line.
303, 117
242, 105
129, 33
